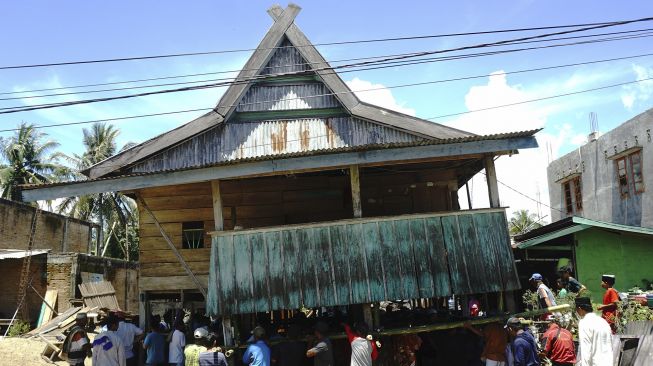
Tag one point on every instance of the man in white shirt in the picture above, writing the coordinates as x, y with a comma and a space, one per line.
129, 333
594, 336
108, 349
177, 344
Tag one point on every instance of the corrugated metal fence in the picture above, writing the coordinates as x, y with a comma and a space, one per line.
359, 261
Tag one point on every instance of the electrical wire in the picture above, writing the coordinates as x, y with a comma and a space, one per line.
596, 25
206, 109
286, 65
15, 109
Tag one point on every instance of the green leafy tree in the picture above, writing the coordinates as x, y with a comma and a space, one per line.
113, 211
27, 158
522, 221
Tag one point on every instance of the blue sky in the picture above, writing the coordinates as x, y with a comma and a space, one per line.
37, 32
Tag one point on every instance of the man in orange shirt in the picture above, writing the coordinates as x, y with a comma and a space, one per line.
496, 339
610, 301
559, 346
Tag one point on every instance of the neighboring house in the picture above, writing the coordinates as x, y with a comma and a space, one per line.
293, 193
592, 248
60, 261
608, 179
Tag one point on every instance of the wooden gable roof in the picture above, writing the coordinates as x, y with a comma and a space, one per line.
327, 96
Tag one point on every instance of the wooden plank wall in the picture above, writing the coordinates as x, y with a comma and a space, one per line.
273, 201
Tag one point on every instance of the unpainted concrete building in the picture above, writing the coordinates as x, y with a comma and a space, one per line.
609, 178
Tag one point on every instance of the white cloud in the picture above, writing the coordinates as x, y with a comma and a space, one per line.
639, 92
523, 175
579, 139
377, 94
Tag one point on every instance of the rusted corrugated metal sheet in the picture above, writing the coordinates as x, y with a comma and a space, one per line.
287, 97
360, 261
285, 59
233, 141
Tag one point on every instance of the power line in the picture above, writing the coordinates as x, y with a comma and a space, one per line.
524, 195
386, 64
285, 65
540, 99
596, 25
206, 109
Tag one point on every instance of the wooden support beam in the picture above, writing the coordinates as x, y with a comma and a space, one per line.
368, 317
354, 178
172, 247
492, 184
219, 226
217, 205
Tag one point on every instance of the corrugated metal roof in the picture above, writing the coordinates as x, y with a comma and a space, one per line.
500, 136
17, 254
571, 225
360, 261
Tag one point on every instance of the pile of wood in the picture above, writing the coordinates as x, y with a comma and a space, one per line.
99, 294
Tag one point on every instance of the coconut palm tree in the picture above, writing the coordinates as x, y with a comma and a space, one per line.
113, 211
522, 221
27, 158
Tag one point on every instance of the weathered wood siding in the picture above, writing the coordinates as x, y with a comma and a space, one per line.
285, 59
241, 140
275, 201
359, 261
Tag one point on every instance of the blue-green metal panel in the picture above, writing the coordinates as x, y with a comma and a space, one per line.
260, 276
405, 246
456, 256
278, 293
375, 259
422, 258
226, 273
340, 253
244, 286
392, 269
438, 256
504, 250
357, 263
323, 266
291, 269
362, 261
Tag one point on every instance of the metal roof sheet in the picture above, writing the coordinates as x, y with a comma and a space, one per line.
325, 151
18, 254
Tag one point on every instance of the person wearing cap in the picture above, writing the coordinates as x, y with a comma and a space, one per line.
610, 301
594, 336
129, 333
154, 344
77, 344
523, 349
108, 349
559, 345
322, 352
192, 351
570, 283
544, 295
258, 352
213, 356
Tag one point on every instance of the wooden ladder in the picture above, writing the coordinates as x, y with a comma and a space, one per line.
24, 272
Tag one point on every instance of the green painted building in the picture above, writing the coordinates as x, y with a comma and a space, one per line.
593, 248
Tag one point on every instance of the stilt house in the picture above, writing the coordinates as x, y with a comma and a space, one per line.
292, 193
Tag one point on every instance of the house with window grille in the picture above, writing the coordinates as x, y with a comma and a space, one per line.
608, 179
294, 194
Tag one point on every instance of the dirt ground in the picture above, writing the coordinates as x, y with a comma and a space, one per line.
21, 351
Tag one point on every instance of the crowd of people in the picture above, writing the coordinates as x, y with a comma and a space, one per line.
512, 343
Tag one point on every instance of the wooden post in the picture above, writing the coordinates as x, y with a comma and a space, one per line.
367, 316
354, 177
64, 242
469, 196
219, 226
492, 184
172, 247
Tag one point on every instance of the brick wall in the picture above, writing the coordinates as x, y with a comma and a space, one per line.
59, 275
15, 226
10, 275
